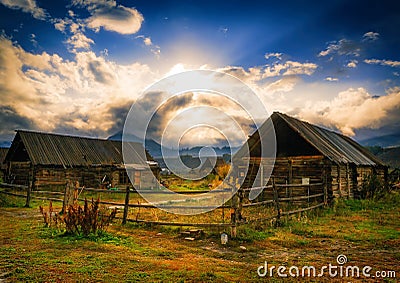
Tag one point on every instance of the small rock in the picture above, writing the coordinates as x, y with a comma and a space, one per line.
189, 239
243, 248
159, 234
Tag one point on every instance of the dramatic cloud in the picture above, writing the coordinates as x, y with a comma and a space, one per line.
354, 109
27, 6
10, 121
256, 74
194, 109
110, 16
166, 112
389, 63
370, 36
82, 95
77, 39
342, 47
285, 84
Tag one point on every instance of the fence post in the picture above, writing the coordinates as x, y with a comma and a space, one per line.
126, 207
325, 188
68, 195
235, 209
28, 192
276, 200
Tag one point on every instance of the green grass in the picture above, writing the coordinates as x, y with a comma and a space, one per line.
367, 231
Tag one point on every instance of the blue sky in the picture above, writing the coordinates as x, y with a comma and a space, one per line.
76, 66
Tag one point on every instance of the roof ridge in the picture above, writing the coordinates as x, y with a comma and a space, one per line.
60, 134
313, 125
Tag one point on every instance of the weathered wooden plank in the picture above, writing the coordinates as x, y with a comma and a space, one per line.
182, 224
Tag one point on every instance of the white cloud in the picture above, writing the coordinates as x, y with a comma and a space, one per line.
118, 19
342, 47
27, 6
330, 79
285, 84
155, 49
389, 63
147, 41
371, 36
352, 64
80, 41
353, 109
273, 55
61, 24
258, 73
289, 68
77, 39
108, 15
297, 68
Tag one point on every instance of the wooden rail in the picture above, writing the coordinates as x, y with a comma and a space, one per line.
237, 203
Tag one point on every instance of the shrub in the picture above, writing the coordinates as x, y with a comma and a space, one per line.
78, 220
372, 187
50, 217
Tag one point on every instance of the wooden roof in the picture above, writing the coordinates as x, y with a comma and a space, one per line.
336, 147
67, 151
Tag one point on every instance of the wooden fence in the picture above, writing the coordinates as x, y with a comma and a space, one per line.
279, 199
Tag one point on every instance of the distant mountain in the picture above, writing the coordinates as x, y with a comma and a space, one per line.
389, 155
220, 151
382, 141
154, 148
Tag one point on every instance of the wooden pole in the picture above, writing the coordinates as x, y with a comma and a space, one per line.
276, 200
235, 210
290, 171
126, 207
68, 195
28, 192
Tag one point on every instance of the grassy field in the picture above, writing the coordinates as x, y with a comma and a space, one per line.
367, 232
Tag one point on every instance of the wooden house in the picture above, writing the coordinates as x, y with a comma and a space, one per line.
307, 153
49, 160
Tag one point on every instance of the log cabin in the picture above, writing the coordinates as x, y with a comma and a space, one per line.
306, 153
49, 160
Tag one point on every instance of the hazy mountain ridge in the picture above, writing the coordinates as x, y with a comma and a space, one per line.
389, 155
391, 140
157, 150
220, 151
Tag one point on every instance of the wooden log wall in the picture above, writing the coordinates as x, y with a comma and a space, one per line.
288, 170
19, 172
292, 170
55, 177
342, 183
